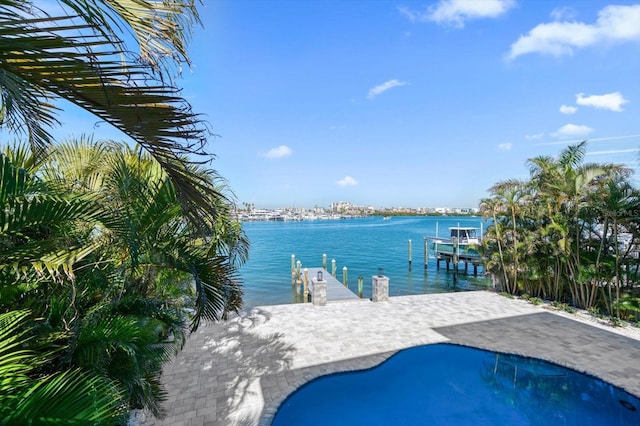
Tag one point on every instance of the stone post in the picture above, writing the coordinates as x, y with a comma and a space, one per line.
380, 291
318, 292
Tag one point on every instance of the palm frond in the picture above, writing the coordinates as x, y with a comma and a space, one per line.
161, 28
41, 60
72, 397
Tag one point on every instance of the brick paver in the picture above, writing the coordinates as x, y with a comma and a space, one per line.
239, 371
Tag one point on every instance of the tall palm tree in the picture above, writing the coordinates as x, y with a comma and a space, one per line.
85, 55
563, 186
510, 197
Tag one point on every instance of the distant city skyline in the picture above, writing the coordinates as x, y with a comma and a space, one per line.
405, 103
347, 204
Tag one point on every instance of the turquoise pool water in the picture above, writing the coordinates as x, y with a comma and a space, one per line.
447, 384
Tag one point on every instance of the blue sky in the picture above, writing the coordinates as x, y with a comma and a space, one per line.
408, 103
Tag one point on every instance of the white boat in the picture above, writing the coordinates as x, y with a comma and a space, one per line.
463, 242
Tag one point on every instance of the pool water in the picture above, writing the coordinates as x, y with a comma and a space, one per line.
446, 384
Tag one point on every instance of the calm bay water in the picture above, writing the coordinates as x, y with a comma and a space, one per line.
362, 245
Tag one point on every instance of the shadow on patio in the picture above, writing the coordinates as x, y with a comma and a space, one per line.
216, 377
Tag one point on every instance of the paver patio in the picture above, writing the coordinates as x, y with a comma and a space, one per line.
238, 372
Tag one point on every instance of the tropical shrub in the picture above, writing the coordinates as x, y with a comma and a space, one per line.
559, 234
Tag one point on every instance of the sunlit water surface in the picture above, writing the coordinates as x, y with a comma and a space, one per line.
362, 245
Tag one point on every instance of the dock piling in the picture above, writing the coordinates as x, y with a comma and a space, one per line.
455, 260
305, 291
344, 276
426, 253
293, 269
360, 286
410, 254
333, 267
324, 261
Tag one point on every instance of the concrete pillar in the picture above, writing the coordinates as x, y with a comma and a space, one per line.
318, 292
380, 291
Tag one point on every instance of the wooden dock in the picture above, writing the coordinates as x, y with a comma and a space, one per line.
336, 291
452, 253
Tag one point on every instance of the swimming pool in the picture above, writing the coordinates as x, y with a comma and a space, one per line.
446, 384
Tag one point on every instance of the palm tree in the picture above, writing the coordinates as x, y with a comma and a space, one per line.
148, 228
562, 185
109, 265
508, 197
616, 208
542, 238
38, 254
153, 270
84, 55
33, 220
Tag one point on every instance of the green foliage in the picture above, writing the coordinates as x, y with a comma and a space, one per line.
595, 311
563, 307
126, 275
615, 321
87, 47
112, 252
73, 396
558, 234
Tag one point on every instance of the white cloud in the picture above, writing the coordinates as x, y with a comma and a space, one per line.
381, 88
347, 181
566, 109
457, 12
615, 24
563, 13
592, 140
279, 152
614, 151
611, 101
505, 146
572, 131
534, 137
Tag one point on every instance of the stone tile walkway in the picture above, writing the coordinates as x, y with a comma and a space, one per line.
238, 372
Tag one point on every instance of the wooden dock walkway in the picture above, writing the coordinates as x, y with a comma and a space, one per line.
336, 291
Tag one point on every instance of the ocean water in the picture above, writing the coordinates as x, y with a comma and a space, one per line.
362, 245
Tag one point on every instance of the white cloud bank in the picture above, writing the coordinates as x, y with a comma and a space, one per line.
457, 12
347, 181
278, 152
381, 88
611, 101
566, 109
505, 146
615, 24
572, 131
